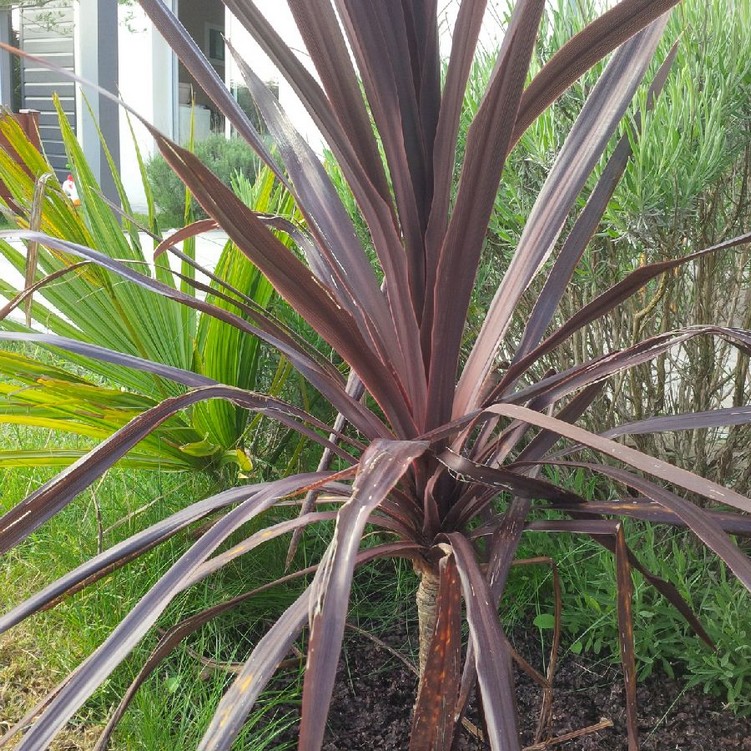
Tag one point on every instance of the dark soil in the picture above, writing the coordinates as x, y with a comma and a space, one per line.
375, 692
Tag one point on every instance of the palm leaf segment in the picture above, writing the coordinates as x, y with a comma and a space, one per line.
444, 433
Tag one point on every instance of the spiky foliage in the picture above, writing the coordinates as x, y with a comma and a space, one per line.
78, 301
442, 453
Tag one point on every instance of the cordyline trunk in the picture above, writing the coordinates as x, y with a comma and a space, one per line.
427, 600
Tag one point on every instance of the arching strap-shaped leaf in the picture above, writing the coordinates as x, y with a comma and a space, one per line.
31, 287
604, 303
464, 41
344, 122
701, 523
185, 377
185, 233
586, 224
340, 112
381, 467
713, 418
584, 146
208, 79
492, 650
641, 508
291, 278
637, 459
580, 376
350, 276
99, 665
487, 146
322, 375
45, 502
118, 555
387, 59
581, 52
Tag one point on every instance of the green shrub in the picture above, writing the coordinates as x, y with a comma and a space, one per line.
225, 157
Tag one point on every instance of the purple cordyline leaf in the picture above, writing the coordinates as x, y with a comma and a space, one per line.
185, 377
602, 305
184, 233
342, 117
292, 280
139, 620
505, 542
120, 554
253, 541
302, 240
494, 452
637, 459
207, 78
421, 17
624, 597
505, 480
34, 711
325, 42
584, 146
378, 36
321, 374
487, 146
701, 523
586, 225
665, 588
571, 412
350, 276
579, 376
646, 510
381, 467
359, 160
433, 717
463, 44
349, 272
46, 501
714, 418
582, 51
492, 652
243, 303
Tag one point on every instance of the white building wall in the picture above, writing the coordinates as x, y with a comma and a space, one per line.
147, 85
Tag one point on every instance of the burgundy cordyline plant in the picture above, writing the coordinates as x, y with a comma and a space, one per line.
444, 451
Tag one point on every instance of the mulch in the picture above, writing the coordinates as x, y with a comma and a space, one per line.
375, 692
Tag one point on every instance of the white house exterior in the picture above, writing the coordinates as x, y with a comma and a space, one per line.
116, 46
